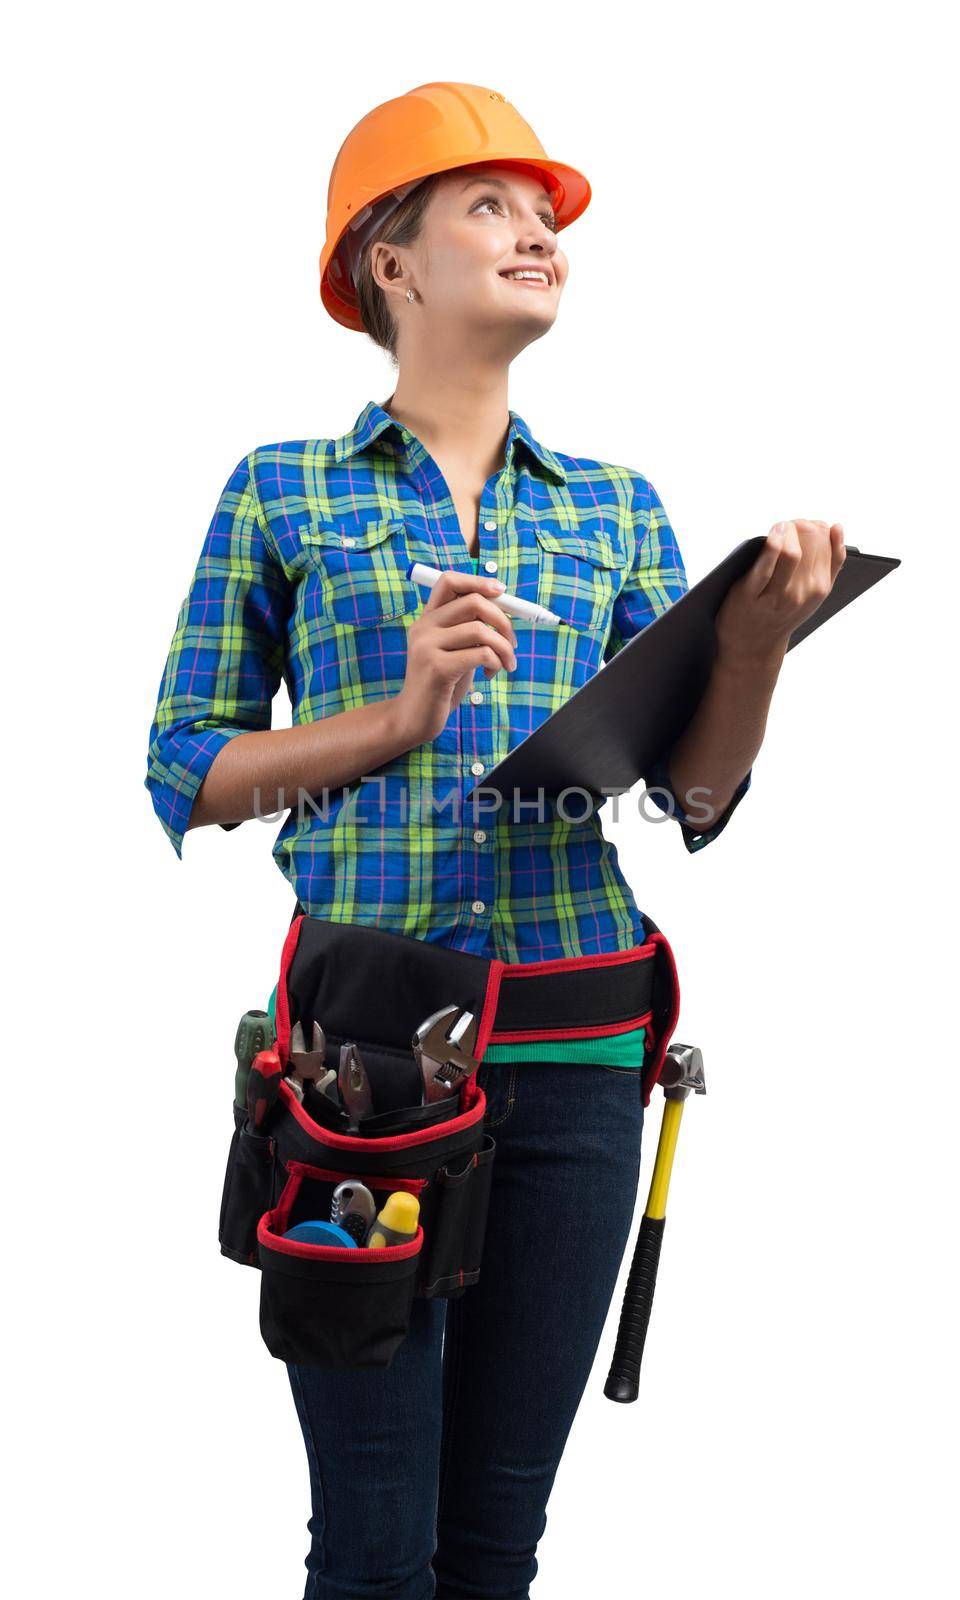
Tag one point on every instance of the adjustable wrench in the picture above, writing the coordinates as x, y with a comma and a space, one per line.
443, 1045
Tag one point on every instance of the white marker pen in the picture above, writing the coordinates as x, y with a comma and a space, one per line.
512, 604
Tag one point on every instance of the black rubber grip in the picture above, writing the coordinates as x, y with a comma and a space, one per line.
623, 1379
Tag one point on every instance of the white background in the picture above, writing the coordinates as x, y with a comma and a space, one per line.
760, 317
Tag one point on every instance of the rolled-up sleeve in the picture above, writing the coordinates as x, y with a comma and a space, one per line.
657, 579
662, 793
226, 659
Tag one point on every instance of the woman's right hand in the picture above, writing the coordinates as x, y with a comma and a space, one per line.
458, 630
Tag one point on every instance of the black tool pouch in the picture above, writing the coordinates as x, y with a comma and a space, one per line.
332, 1306
328, 1305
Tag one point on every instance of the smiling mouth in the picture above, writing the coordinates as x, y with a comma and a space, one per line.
532, 278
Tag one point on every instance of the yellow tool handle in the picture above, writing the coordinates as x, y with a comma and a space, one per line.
663, 1165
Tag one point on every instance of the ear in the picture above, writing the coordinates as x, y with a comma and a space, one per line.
387, 268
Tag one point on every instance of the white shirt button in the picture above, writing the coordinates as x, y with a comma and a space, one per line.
476, 767
490, 566
479, 836
477, 697
491, 527
478, 906
346, 539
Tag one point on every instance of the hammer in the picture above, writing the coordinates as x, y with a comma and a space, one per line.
682, 1071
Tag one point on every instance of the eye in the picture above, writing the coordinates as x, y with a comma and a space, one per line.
546, 217
487, 200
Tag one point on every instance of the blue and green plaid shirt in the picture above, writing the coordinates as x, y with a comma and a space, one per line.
303, 579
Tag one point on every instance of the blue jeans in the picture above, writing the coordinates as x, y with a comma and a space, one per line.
430, 1478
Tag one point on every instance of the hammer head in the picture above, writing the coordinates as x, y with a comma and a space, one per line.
682, 1071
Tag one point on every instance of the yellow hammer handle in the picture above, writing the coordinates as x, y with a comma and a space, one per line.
663, 1165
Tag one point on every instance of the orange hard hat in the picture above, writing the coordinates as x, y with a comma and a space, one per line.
430, 129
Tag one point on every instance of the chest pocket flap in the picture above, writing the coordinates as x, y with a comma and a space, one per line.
595, 546
338, 536
362, 569
579, 574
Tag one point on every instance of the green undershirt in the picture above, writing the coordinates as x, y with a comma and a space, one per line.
610, 1050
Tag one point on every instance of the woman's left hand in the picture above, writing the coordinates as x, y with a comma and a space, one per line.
791, 577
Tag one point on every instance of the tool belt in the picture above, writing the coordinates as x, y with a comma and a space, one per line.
330, 1306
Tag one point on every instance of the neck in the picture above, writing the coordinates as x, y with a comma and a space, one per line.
460, 416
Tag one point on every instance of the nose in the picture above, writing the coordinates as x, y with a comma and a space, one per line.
539, 238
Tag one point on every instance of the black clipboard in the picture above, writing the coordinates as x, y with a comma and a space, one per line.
607, 735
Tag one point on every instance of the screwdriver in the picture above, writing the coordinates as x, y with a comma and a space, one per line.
263, 1087
254, 1032
396, 1223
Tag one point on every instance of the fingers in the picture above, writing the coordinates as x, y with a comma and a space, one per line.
823, 556
838, 550
469, 602
776, 562
459, 666
495, 650
452, 583
802, 551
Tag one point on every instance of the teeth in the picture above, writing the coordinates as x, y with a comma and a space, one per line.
541, 277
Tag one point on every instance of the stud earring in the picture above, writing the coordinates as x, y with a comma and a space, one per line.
410, 294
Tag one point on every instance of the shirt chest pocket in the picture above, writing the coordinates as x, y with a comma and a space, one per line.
361, 570
579, 574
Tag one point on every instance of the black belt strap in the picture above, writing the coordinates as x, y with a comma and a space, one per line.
359, 981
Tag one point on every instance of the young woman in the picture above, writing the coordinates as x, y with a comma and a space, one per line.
432, 1476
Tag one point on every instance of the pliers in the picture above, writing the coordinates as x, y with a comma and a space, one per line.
307, 1066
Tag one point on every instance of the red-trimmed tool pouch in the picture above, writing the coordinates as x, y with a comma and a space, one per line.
322, 1305
332, 1306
